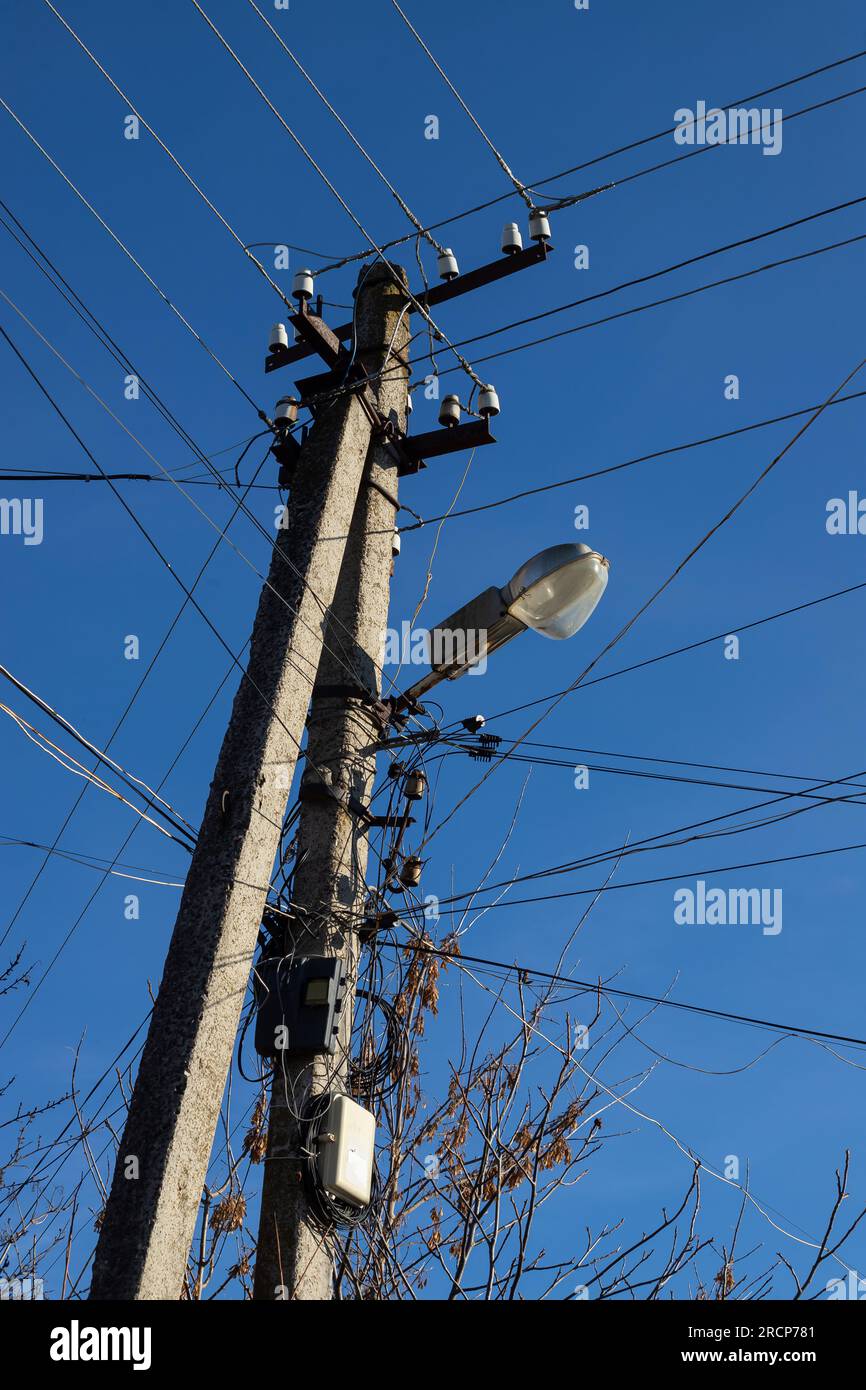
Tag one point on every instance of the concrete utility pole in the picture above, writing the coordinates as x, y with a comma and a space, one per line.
162, 1162
294, 1258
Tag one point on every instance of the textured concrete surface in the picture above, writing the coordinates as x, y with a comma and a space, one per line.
294, 1259
149, 1220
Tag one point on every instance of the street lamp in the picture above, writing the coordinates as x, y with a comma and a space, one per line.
554, 593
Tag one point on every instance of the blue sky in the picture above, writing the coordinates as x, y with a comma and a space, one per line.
554, 87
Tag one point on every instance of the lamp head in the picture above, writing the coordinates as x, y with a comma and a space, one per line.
556, 591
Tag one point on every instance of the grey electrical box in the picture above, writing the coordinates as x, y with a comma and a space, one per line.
298, 1004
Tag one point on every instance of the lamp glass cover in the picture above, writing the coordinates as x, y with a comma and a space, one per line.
557, 590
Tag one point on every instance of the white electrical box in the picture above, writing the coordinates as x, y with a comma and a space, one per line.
346, 1145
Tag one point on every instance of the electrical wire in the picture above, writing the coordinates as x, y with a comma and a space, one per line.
221, 531
570, 200
663, 878
500, 159
668, 299
665, 270
174, 818
419, 307
98, 329
72, 765
401, 203
681, 651
535, 760
657, 592
90, 861
126, 251
596, 987
628, 463
682, 762
125, 713
611, 154
175, 161
196, 605
661, 840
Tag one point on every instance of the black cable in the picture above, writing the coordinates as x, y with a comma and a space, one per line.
668, 299
628, 463
8, 476
657, 274
537, 761
676, 762
103, 336
239, 460
661, 841
380, 1076
621, 149
648, 882
189, 594
250, 1015
595, 986
680, 651
466, 511
186, 833
692, 154
304, 250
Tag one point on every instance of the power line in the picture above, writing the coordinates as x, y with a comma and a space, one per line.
622, 149
628, 463
88, 861
175, 161
682, 762
660, 841
35, 476
687, 647
617, 467
325, 608
135, 784
666, 270
536, 761
649, 882
670, 130
500, 159
126, 251
596, 987
657, 592
402, 204
139, 525
46, 266
71, 764
107, 341
118, 725
570, 200
668, 299
107, 872
31, 372
419, 307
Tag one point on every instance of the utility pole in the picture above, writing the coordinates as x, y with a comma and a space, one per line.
294, 1258
162, 1162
